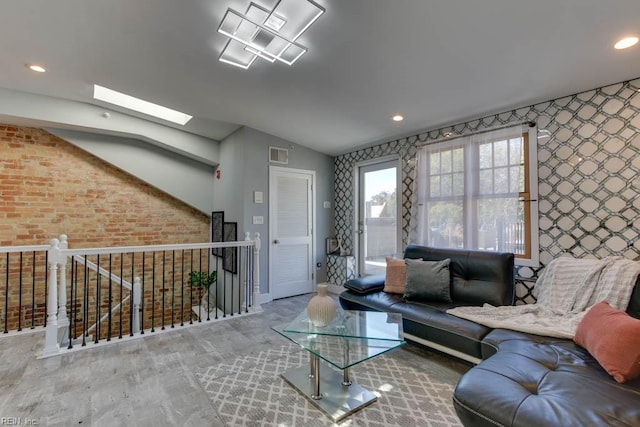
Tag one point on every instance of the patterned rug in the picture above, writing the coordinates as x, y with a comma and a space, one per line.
249, 391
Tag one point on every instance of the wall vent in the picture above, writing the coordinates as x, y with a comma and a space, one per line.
279, 155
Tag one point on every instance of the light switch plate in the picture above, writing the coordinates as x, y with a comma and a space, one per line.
258, 220
257, 197
326, 205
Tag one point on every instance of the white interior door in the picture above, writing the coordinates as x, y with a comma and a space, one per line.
290, 231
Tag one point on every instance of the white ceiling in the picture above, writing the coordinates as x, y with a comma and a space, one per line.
438, 62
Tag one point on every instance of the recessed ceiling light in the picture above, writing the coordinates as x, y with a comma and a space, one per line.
123, 100
397, 118
626, 42
36, 68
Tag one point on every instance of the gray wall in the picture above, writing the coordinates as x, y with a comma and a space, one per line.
244, 169
25, 109
184, 178
228, 189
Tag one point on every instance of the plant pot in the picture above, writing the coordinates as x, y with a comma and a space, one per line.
208, 300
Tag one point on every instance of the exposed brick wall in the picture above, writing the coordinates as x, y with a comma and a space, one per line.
49, 187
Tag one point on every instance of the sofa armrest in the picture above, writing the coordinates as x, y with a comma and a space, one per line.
366, 284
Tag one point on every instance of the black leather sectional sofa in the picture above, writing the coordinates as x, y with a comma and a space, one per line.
520, 379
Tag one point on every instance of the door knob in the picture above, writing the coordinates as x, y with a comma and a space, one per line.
275, 242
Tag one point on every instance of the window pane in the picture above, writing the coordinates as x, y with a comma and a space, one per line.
501, 180
458, 184
434, 164
516, 155
445, 224
516, 179
458, 160
434, 186
446, 161
486, 156
447, 185
485, 185
501, 225
500, 153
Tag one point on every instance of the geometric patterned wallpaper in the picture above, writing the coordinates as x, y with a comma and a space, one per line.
588, 175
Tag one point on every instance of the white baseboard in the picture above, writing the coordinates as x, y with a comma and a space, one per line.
334, 289
264, 298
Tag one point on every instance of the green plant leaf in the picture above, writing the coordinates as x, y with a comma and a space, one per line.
200, 279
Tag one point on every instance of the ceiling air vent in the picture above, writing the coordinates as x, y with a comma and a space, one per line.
279, 155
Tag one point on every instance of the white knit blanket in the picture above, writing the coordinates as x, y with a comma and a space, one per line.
565, 291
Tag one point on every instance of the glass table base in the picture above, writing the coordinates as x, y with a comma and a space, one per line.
337, 401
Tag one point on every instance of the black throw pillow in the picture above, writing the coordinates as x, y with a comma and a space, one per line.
428, 280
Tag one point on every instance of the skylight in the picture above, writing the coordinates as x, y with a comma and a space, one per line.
123, 100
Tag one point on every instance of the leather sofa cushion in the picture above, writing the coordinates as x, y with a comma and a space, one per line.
477, 277
423, 320
380, 301
496, 337
366, 284
430, 322
557, 383
634, 304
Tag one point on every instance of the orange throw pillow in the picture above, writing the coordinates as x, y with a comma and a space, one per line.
396, 276
612, 337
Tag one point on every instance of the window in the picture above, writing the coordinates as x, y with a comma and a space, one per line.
476, 192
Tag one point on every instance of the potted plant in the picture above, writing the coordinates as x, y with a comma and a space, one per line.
204, 280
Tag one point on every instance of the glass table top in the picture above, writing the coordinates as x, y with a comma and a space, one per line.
351, 338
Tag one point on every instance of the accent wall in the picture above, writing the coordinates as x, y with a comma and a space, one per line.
588, 174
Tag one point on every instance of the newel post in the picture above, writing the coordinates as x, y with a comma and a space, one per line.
256, 274
244, 271
51, 346
63, 320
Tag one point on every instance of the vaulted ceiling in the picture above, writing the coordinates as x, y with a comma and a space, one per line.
436, 62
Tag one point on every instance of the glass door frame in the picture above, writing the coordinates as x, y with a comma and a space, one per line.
358, 232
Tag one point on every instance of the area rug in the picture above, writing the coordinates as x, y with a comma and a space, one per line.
248, 391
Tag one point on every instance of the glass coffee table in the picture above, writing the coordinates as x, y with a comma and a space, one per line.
352, 337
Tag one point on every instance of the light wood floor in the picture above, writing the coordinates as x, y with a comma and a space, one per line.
146, 382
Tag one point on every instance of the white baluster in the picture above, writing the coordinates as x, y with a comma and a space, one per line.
244, 271
51, 346
136, 302
256, 274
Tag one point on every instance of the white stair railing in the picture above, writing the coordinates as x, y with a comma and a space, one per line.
114, 278
237, 287
23, 272
103, 272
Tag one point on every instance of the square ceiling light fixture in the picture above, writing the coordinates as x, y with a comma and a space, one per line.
269, 34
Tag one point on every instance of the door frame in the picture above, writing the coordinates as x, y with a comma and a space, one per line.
312, 207
356, 204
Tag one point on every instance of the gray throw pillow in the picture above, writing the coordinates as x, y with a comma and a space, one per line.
428, 280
